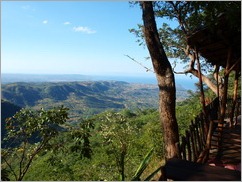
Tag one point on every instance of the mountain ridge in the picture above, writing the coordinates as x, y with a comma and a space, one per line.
87, 97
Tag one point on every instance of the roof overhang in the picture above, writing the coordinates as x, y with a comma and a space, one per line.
214, 45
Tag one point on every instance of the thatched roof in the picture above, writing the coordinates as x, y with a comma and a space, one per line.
214, 43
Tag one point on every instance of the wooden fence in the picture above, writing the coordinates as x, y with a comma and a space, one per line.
196, 146
193, 146
196, 143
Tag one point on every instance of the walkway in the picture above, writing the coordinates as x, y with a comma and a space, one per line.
224, 163
227, 151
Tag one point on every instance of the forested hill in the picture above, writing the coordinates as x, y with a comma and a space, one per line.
7, 110
85, 98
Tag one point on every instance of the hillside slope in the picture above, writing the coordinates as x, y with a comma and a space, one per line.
7, 110
84, 98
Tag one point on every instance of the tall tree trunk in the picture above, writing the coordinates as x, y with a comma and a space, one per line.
166, 81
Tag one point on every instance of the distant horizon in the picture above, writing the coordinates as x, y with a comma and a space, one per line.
104, 74
181, 80
177, 76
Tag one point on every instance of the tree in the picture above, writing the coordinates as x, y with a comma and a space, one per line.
118, 133
29, 133
81, 136
165, 78
190, 17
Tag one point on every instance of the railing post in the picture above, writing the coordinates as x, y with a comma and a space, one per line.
188, 146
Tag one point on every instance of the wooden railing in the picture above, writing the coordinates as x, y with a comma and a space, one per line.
193, 145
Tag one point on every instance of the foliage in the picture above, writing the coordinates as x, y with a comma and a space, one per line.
7, 110
84, 98
187, 110
108, 146
231, 85
4, 174
26, 127
143, 166
104, 163
81, 137
187, 17
118, 133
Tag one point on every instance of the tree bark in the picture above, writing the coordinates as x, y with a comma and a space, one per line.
166, 81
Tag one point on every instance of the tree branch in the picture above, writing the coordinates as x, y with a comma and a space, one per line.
147, 69
179, 17
11, 169
182, 72
22, 157
32, 157
233, 66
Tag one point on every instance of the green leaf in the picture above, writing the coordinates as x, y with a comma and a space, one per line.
143, 166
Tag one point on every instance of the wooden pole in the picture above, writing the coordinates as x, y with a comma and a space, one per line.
235, 96
204, 154
202, 92
224, 95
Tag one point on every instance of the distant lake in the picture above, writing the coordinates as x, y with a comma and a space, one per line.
181, 81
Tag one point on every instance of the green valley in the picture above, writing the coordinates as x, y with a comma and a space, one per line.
111, 127
85, 98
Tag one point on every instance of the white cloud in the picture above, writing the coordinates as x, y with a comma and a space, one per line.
45, 21
84, 30
27, 8
67, 23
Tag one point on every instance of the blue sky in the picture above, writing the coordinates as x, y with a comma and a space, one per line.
77, 37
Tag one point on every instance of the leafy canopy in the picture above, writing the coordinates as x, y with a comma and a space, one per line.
27, 127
